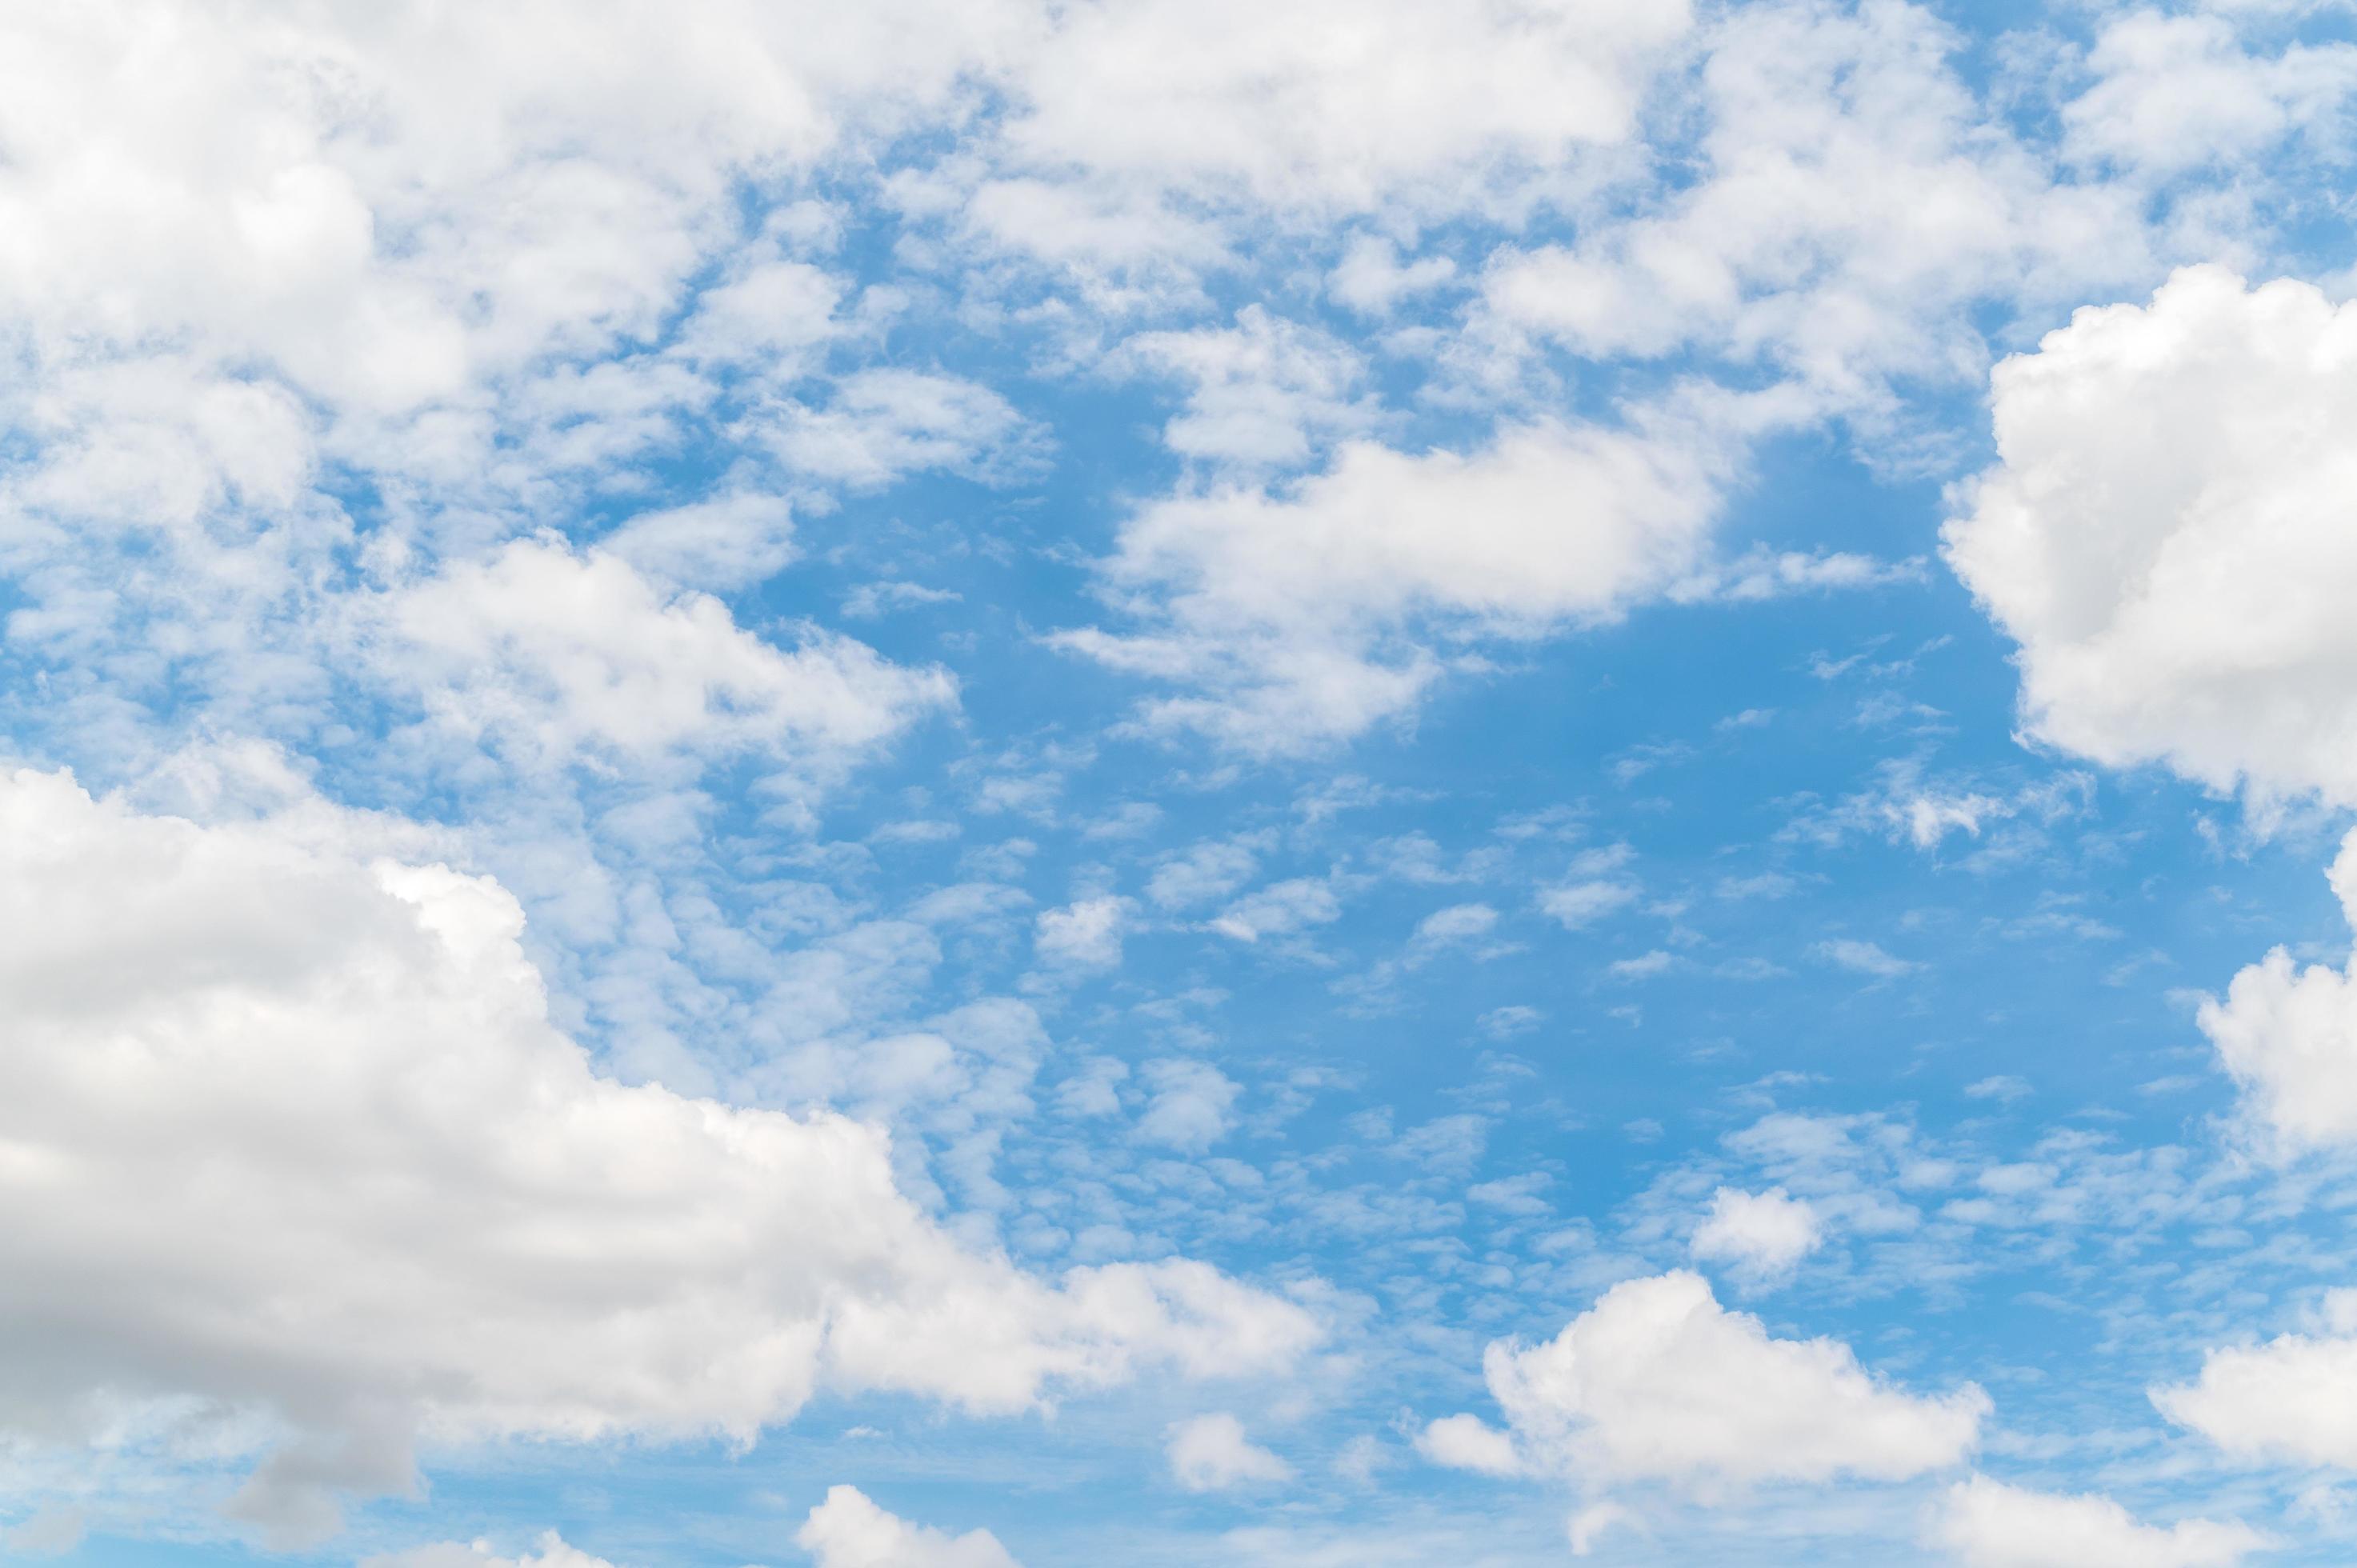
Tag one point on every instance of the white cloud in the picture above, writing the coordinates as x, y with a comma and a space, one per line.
1371, 279
286, 1136
1649, 965
768, 313
546, 654
2003, 1087
552, 1553
729, 542
49, 1533
2162, 534
2173, 92
1595, 1521
883, 424
1593, 888
849, 1530
1514, 1194
1578, 905
870, 600
1929, 819
234, 139
2290, 1400
206, 184
1300, 617
1082, 935
1506, 1023
1851, 204
1763, 1234
2288, 1035
1327, 106
1262, 393
1452, 927
1094, 1090
1189, 1108
1468, 1442
1987, 1524
1213, 869
1657, 1382
1863, 958
1210, 1454
1760, 574
1279, 910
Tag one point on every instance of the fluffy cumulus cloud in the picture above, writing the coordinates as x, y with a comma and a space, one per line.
1657, 1382
2292, 1399
1085, 934
1344, 109
1261, 393
286, 1136
1212, 1453
335, 228
1300, 617
1852, 203
552, 655
2163, 534
326, 191
1855, 219
1762, 1234
849, 1530
1987, 1524
2288, 1035
2174, 92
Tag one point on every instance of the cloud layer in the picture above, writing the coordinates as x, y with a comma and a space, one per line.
321, 1160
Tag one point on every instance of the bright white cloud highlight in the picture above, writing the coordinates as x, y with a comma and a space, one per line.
2176, 92
2288, 1035
1212, 1453
548, 654
1987, 1524
287, 1135
883, 424
1082, 935
1657, 1382
1850, 203
2165, 534
1468, 1442
1329, 106
1299, 617
1261, 393
849, 1530
1762, 1234
2292, 1399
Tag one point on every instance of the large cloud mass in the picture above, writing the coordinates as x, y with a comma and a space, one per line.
1987, 1524
286, 1134
2290, 1400
849, 1530
1657, 1382
2288, 1035
2166, 534
1306, 616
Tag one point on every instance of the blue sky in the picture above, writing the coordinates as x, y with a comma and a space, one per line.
997, 784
